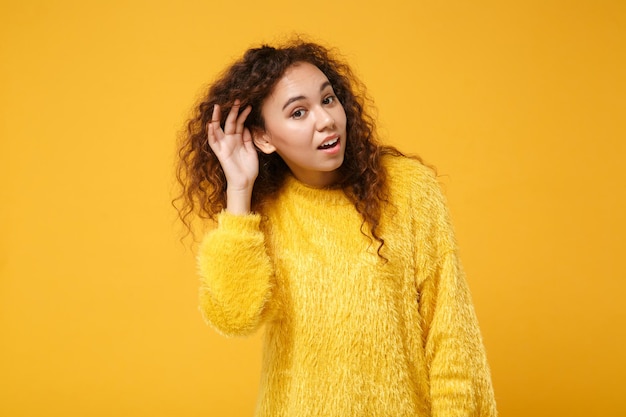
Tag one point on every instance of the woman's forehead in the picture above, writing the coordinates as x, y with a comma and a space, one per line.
301, 79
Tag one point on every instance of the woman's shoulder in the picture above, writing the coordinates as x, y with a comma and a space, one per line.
415, 192
409, 173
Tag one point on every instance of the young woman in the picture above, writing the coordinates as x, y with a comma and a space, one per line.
340, 247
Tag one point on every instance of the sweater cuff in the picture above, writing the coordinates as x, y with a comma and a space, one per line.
240, 222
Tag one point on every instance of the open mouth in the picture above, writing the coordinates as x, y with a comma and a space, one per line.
330, 144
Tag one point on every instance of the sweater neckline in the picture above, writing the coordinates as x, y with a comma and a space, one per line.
322, 195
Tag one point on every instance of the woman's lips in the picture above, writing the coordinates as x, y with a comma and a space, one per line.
329, 143
331, 147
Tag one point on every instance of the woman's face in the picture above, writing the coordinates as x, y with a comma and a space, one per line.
306, 125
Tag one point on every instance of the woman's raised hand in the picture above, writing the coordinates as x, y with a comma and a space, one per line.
237, 155
233, 147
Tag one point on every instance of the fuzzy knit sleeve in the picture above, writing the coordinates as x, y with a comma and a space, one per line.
460, 380
235, 273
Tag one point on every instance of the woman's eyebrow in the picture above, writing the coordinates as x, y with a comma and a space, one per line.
324, 85
291, 100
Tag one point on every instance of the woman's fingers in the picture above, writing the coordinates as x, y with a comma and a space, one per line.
212, 137
241, 119
231, 121
247, 140
233, 127
217, 113
213, 125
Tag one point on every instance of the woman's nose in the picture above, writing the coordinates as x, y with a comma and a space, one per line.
324, 119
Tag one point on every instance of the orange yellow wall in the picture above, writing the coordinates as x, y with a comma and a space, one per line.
521, 106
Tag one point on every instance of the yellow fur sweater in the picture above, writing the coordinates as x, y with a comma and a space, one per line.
346, 333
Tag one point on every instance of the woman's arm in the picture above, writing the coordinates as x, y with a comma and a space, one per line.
233, 262
460, 381
236, 275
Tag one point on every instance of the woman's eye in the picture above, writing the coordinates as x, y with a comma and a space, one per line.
328, 100
297, 114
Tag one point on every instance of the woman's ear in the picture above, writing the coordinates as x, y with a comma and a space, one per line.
263, 141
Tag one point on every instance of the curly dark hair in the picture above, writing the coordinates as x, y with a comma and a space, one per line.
251, 80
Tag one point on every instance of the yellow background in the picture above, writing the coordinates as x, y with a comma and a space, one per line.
520, 104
